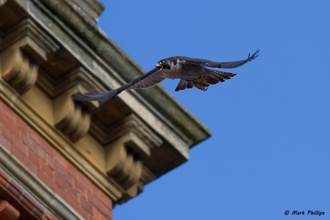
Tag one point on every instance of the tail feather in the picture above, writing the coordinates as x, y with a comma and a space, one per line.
215, 76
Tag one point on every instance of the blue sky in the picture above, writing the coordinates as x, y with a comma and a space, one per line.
270, 149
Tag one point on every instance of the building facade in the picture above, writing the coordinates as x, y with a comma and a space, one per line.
57, 161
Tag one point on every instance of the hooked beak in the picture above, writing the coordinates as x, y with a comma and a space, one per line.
159, 66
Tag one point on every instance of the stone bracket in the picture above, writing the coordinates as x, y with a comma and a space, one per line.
138, 127
23, 48
17, 71
124, 166
31, 39
131, 143
72, 119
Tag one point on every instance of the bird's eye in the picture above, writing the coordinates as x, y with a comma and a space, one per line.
160, 64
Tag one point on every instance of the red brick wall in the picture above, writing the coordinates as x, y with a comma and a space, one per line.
51, 167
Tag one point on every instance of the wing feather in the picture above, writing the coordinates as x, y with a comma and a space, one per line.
214, 76
108, 95
209, 63
149, 81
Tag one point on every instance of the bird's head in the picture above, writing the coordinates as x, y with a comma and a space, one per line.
163, 64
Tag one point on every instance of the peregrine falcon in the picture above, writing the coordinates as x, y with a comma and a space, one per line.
191, 72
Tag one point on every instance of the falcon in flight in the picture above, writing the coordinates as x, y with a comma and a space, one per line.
191, 72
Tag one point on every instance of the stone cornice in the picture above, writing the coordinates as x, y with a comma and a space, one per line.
122, 63
55, 53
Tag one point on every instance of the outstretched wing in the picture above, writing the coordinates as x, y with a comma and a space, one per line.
214, 64
108, 95
151, 80
147, 80
92, 96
